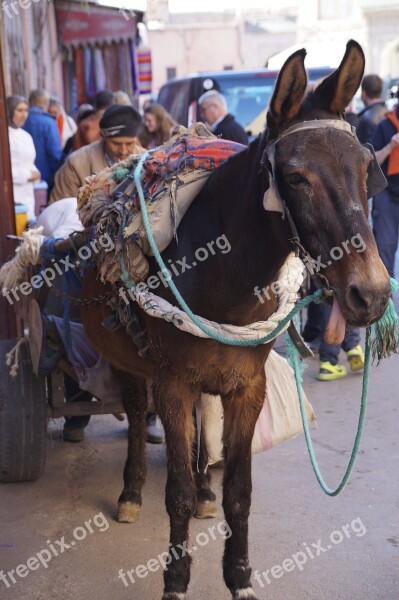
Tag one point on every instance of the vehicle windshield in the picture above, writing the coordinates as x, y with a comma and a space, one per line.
247, 99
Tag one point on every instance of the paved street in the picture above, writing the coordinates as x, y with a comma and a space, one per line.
308, 546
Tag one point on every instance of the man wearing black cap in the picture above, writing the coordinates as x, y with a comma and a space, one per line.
119, 127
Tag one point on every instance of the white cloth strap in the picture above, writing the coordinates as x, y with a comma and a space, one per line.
289, 280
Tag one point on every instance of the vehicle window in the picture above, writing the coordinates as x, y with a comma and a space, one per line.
176, 98
246, 97
247, 94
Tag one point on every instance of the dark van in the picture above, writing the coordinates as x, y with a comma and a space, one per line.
247, 94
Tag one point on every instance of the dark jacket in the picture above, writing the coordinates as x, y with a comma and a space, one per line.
369, 118
46, 138
229, 129
382, 136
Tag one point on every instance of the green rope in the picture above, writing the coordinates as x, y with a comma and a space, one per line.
295, 362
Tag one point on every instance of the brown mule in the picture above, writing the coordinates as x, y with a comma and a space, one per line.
320, 171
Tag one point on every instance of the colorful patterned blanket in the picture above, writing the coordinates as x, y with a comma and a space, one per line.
172, 176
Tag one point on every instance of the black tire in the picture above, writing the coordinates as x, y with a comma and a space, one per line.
23, 419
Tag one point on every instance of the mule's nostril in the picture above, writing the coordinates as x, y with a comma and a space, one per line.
359, 299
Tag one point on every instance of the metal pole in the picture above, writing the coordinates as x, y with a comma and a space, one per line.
8, 320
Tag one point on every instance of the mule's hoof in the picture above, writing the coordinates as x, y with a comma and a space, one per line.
206, 509
173, 596
244, 594
128, 512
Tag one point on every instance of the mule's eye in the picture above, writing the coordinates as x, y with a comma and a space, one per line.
297, 179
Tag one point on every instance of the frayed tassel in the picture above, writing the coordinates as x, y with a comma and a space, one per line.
385, 338
14, 355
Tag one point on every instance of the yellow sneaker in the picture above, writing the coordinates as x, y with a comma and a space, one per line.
355, 358
329, 372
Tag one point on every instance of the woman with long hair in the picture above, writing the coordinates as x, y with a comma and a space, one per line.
157, 126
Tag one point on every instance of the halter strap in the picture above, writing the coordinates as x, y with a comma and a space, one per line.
272, 200
318, 124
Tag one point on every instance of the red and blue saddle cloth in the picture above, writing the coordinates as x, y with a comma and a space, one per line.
166, 174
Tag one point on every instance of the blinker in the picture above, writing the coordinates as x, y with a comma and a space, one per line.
271, 200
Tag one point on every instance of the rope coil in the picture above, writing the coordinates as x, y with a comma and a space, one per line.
27, 254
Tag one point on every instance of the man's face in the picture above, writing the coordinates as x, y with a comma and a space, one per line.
210, 111
119, 147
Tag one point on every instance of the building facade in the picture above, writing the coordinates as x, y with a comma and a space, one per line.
189, 42
186, 43
30, 47
97, 49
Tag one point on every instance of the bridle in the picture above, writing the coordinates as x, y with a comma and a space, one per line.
272, 200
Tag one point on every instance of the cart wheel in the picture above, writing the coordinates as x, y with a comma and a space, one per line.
23, 419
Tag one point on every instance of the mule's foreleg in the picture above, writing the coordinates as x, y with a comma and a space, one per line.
134, 396
241, 412
174, 404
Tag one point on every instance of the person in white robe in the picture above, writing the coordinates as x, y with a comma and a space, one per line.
23, 154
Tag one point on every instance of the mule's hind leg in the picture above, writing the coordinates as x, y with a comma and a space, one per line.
206, 500
174, 402
134, 395
241, 412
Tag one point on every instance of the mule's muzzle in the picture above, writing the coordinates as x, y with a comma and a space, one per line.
366, 303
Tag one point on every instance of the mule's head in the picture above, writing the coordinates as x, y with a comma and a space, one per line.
320, 170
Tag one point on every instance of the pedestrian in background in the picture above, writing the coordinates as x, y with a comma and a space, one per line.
43, 129
374, 110
121, 97
213, 108
385, 211
89, 127
330, 368
66, 125
350, 115
23, 154
84, 111
157, 126
119, 127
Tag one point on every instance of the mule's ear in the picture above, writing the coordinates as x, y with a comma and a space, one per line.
337, 90
289, 91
